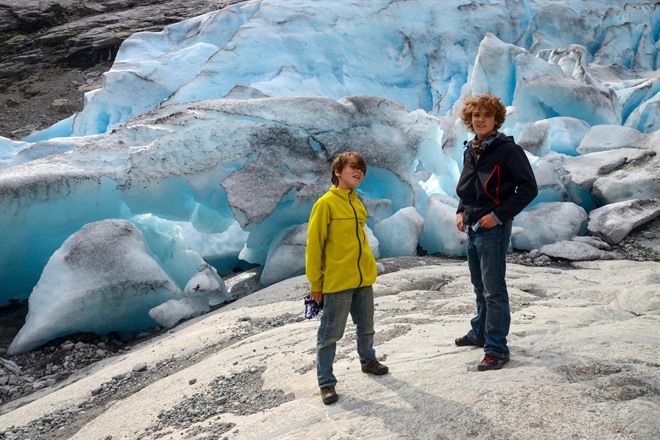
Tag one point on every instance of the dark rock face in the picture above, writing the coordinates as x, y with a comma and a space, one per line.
57, 49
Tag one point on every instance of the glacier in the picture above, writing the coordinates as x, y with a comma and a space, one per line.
213, 138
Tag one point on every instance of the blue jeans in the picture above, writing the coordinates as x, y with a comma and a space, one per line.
336, 307
486, 254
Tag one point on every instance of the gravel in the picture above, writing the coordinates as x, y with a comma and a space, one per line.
46, 97
199, 416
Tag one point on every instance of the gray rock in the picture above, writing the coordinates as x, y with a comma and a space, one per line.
63, 46
593, 241
139, 367
575, 251
10, 365
81, 34
615, 221
62, 105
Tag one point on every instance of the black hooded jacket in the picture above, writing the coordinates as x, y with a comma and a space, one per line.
501, 181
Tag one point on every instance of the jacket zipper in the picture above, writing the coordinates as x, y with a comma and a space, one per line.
475, 178
357, 235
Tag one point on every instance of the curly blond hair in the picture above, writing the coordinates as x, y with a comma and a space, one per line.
487, 102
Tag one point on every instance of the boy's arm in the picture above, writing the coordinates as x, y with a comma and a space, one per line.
317, 232
526, 187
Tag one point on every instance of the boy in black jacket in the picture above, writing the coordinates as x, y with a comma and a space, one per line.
497, 183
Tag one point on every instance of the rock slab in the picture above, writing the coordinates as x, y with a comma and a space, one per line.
579, 367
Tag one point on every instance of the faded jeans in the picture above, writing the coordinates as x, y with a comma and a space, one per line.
336, 307
486, 254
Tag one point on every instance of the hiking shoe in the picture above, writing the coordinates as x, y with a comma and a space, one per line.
375, 367
328, 395
464, 341
491, 362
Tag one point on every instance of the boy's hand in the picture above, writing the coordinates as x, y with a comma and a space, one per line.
488, 221
459, 222
316, 296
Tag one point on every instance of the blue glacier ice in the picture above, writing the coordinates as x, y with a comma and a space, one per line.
214, 138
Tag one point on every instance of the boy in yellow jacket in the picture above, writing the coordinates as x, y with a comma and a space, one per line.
341, 270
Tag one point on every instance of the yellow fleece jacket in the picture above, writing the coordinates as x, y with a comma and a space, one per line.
338, 256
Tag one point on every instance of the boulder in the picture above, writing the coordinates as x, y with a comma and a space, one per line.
615, 221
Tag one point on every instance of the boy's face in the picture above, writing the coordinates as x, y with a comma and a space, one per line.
350, 177
483, 122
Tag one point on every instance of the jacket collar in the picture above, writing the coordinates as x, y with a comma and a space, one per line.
488, 141
344, 193
485, 144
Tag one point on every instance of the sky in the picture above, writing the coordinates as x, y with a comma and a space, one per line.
208, 143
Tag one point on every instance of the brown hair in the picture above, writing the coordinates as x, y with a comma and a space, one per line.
344, 158
486, 101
